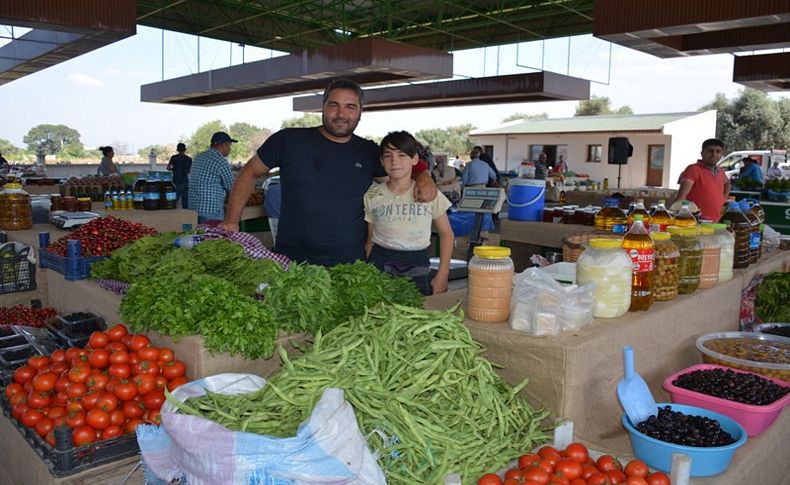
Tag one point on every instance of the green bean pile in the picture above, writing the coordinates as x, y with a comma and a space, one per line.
428, 402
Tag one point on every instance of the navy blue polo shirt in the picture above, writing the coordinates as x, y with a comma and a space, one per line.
323, 184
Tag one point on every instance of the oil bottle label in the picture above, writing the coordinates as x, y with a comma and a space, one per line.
658, 227
138, 196
171, 196
619, 228
642, 260
754, 240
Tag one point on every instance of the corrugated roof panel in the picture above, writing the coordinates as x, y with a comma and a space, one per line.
581, 124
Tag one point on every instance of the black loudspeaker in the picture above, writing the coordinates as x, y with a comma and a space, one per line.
619, 150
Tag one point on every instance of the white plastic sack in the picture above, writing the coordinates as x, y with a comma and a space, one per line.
542, 306
328, 448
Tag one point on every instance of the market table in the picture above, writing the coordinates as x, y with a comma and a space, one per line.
525, 238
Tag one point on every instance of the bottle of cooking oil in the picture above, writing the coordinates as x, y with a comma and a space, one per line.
755, 242
661, 218
739, 223
684, 217
757, 210
639, 246
639, 209
611, 218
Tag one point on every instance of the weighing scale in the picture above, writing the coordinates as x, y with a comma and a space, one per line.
70, 220
480, 200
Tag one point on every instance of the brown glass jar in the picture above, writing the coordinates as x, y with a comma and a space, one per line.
84, 204
558, 213
55, 202
70, 204
568, 213
548, 214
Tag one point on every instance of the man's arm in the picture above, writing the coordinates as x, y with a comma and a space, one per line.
446, 239
242, 189
685, 188
424, 188
727, 187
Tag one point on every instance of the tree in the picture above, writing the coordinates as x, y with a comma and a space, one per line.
49, 139
751, 120
201, 138
249, 138
162, 152
524, 116
9, 150
308, 120
453, 139
600, 105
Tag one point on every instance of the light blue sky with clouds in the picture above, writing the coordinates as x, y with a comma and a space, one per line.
98, 93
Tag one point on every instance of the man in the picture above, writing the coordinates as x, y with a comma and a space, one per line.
704, 183
211, 179
490, 161
561, 167
180, 164
750, 170
541, 168
774, 172
477, 172
324, 174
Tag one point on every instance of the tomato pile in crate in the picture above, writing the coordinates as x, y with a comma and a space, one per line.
100, 393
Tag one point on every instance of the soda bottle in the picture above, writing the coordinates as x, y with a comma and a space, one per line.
639, 209
684, 217
754, 236
661, 218
639, 246
739, 223
611, 218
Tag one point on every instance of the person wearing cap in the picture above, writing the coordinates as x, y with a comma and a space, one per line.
325, 172
211, 179
180, 164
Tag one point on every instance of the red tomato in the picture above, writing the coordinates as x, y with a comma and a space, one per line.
568, 469
111, 384
114, 347
50, 438
38, 361
126, 339
154, 399
558, 480
148, 353
56, 412
116, 333
74, 406
608, 462
99, 358
598, 478
58, 356
121, 371
161, 382
636, 468
24, 374
131, 425
58, 367
150, 367
98, 340
526, 460
547, 450
133, 409
30, 417
588, 470
536, 474
107, 401
125, 390
79, 373
577, 452
658, 478
97, 419
138, 342
176, 383
44, 426
45, 381
60, 399
117, 418
75, 419
97, 381
174, 369
635, 481
79, 355
119, 357
166, 355
89, 399
578, 481
38, 399
18, 410
76, 389
513, 473
545, 465
112, 431
83, 435
62, 383
13, 389
616, 476
489, 479
145, 383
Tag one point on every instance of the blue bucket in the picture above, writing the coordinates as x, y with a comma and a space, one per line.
525, 199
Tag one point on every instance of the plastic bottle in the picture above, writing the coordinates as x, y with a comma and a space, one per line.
107, 201
690, 262
684, 217
639, 209
168, 196
757, 210
116, 200
640, 247
188, 241
711, 257
611, 218
151, 194
606, 183
490, 284
739, 223
727, 242
138, 192
667, 272
16, 210
661, 218
562, 197
754, 234
129, 201
606, 264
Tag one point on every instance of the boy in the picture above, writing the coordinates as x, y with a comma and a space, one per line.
399, 229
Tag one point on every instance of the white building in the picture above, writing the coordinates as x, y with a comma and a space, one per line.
664, 144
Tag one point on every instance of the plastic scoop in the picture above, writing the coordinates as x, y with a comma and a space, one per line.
634, 395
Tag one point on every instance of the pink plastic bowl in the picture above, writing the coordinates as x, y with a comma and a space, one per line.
754, 419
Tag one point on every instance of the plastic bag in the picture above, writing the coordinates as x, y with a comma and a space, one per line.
542, 306
328, 447
771, 239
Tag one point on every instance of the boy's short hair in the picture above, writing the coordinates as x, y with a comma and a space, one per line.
712, 142
400, 140
342, 83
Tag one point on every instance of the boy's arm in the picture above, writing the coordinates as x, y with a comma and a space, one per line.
369, 242
446, 238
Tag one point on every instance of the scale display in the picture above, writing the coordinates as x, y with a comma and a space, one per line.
69, 220
486, 200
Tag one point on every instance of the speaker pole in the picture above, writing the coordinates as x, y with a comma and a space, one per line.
619, 168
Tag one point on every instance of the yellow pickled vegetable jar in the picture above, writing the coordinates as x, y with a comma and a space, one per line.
490, 284
667, 272
690, 263
16, 210
606, 264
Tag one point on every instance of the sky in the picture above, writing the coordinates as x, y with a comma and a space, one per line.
98, 93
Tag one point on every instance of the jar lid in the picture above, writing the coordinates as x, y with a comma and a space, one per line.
682, 231
13, 186
84, 199
606, 243
660, 236
717, 226
706, 230
491, 252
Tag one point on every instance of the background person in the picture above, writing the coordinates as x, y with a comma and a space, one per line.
106, 166
399, 228
448, 180
704, 183
211, 179
180, 164
476, 171
490, 161
751, 171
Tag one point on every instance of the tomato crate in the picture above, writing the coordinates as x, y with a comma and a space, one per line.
72, 266
17, 271
65, 459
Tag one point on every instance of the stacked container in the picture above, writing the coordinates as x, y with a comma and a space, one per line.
16, 210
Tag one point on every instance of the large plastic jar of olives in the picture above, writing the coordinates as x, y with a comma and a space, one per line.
711, 255
667, 270
690, 262
16, 211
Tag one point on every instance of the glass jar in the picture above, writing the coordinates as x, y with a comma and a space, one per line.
548, 214
55, 202
84, 204
16, 210
667, 272
70, 203
606, 264
568, 214
727, 254
690, 263
490, 284
558, 214
711, 256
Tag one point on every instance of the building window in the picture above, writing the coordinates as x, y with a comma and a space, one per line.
656, 157
594, 153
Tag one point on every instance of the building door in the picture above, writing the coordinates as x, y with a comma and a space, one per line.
655, 165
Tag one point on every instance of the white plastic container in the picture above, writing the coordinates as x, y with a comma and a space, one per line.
711, 257
607, 265
490, 284
727, 241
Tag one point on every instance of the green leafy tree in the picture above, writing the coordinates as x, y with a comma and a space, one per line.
162, 152
249, 139
524, 116
308, 120
9, 150
751, 120
201, 138
72, 151
600, 105
453, 139
49, 139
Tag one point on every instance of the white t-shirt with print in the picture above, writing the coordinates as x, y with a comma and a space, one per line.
398, 221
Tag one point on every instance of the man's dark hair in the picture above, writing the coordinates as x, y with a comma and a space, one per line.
475, 153
400, 140
342, 83
715, 142
478, 148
